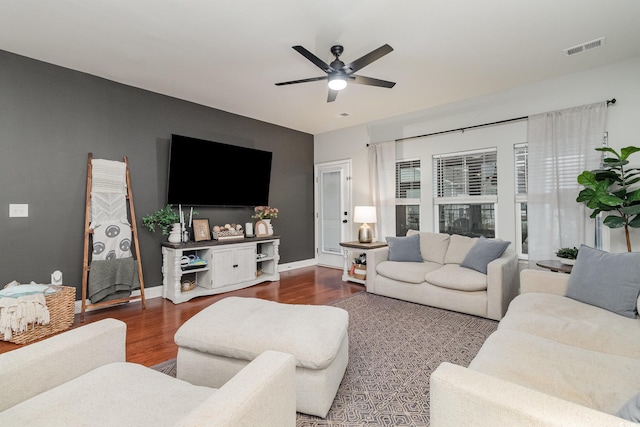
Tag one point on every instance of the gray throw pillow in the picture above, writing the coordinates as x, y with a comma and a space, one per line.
406, 249
606, 280
631, 410
483, 252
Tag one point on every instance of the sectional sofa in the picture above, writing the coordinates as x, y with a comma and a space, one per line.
565, 354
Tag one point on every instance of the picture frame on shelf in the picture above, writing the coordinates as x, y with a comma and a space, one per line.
261, 229
201, 230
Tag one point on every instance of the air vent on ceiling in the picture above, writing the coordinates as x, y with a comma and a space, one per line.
584, 46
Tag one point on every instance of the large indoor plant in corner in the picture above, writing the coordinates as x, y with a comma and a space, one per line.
612, 190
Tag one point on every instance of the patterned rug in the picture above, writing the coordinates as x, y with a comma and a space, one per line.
393, 348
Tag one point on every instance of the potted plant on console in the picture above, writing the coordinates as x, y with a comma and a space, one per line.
164, 219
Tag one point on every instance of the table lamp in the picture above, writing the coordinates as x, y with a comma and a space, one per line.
365, 215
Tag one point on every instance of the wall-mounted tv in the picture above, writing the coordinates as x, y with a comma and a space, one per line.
207, 173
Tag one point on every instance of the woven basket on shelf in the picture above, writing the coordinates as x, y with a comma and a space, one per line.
61, 311
360, 272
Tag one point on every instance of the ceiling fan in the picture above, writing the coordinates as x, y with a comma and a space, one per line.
338, 74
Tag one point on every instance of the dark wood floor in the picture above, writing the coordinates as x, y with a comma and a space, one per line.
150, 332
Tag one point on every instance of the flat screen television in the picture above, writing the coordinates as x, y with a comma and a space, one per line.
207, 173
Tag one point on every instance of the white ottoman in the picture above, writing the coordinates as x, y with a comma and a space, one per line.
220, 340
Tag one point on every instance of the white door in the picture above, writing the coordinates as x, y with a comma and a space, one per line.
333, 216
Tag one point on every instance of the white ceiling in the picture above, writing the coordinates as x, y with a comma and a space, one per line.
228, 54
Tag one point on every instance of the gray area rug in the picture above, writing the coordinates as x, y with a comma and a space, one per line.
393, 348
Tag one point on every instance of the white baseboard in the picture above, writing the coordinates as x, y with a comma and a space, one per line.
297, 264
156, 291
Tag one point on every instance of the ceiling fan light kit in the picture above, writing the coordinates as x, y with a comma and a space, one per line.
338, 73
337, 82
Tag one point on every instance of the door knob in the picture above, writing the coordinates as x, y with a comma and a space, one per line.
344, 221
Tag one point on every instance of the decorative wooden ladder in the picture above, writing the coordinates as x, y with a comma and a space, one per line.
88, 232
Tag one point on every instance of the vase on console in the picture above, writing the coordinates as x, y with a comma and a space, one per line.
175, 235
269, 226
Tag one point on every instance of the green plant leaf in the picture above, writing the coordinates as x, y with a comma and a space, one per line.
630, 210
633, 196
610, 200
608, 150
588, 179
614, 163
635, 222
613, 221
586, 195
632, 181
627, 151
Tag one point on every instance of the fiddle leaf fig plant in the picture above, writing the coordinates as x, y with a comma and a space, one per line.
612, 190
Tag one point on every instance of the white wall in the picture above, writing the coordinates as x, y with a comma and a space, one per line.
619, 80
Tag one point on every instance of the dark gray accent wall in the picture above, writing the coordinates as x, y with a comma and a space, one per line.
52, 117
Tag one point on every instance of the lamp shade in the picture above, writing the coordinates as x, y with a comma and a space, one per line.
364, 214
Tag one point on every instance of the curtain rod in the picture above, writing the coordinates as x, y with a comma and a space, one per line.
462, 129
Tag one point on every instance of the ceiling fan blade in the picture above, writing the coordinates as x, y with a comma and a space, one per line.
373, 82
332, 95
311, 57
367, 59
312, 79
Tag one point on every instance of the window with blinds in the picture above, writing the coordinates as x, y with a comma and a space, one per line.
521, 163
408, 179
407, 196
463, 175
522, 169
466, 192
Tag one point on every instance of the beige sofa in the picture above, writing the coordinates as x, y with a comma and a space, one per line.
80, 377
553, 361
440, 281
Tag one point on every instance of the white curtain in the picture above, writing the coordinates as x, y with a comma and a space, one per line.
382, 181
561, 145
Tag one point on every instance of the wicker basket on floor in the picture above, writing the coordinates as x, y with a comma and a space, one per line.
61, 311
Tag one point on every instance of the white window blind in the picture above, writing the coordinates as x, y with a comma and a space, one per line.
522, 170
464, 175
408, 179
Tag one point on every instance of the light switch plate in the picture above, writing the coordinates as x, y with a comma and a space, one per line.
18, 210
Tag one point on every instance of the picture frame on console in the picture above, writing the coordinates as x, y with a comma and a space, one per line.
201, 230
262, 230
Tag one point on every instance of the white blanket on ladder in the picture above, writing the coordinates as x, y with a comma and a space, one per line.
108, 176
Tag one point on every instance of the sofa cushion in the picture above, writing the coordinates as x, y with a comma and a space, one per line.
607, 280
596, 380
459, 247
99, 398
433, 246
452, 276
574, 323
404, 249
483, 252
409, 272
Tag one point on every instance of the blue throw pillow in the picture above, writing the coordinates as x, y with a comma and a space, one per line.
483, 252
631, 410
606, 280
406, 249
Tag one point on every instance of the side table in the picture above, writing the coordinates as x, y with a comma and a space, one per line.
555, 265
348, 247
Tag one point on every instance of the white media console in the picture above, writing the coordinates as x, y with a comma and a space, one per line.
230, 265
